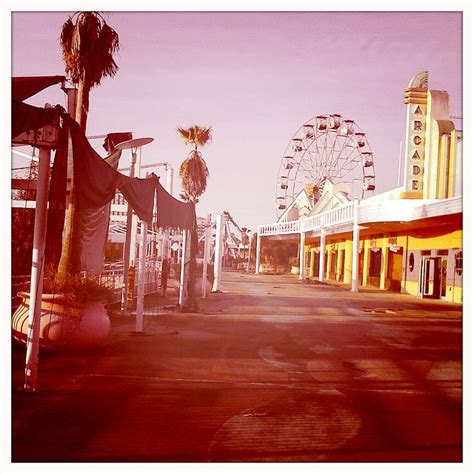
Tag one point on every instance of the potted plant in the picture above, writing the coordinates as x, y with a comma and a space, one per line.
73, 315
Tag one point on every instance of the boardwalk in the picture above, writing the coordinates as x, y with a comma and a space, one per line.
271, 370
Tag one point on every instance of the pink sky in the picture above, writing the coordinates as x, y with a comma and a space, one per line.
255, 78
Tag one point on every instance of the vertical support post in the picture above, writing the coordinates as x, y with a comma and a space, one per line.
384, 266
322, 255
134, 229
329, 263
365, 270
141, 277
133, 241
311, 264
126, 248
250, 251
169, 178
257, 253
37, 269
218, 253
339, 268
301, 259
182, 279
205, 261
355, 249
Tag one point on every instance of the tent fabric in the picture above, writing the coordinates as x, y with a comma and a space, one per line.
173, 213
96, 181
27, 117
94, 228
140, 194
25, 87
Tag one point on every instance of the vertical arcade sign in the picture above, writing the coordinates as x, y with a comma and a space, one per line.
416, 98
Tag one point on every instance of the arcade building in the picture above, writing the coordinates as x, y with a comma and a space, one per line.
408, 239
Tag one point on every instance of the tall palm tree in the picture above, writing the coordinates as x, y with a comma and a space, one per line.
194, 173
88, 47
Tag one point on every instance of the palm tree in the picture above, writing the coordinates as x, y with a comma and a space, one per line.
88, 47
194, 173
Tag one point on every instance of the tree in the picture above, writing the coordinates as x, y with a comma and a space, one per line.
88, 47
194, 173
278, 253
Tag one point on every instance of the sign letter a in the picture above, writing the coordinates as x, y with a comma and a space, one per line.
418, 111
415, 156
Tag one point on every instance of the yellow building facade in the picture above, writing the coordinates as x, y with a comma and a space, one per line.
407, 240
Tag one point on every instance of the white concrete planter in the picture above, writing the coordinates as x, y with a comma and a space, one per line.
62, 327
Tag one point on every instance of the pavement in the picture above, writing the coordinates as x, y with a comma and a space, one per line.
270, 369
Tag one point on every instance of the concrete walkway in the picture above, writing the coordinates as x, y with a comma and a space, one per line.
271, 370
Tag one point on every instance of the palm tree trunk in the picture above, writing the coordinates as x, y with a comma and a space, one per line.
70, 262
82, 108
191, 303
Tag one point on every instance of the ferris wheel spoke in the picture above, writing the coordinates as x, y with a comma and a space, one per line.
343, 146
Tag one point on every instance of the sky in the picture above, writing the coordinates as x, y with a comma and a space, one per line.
255, 78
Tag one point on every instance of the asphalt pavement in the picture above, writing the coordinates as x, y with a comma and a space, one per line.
270, 369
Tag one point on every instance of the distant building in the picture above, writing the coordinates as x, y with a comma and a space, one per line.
408, 239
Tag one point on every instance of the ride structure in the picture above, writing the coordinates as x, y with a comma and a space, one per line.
326, 147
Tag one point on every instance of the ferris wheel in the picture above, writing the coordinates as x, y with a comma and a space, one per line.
326, 147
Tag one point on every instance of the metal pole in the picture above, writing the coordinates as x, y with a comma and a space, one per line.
134, 231
182, 288
301, 262
218, 253
355, 249
169, 178
250, 251
206, 257
126, 254
141, 278
322, 256
257, 254
37, 269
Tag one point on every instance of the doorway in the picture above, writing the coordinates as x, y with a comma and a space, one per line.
433, 277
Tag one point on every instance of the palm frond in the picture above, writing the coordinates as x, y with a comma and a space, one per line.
194, 173
88, 47
195, 135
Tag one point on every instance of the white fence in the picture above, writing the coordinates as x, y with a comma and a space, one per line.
111, 278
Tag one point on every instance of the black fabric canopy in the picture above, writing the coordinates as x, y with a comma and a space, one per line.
96, 180
24, 87
173, 213
27, 117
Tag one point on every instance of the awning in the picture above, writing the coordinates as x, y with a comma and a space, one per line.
24, 87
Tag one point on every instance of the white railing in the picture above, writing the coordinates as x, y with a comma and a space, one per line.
112, 278
387, 211
279, 228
